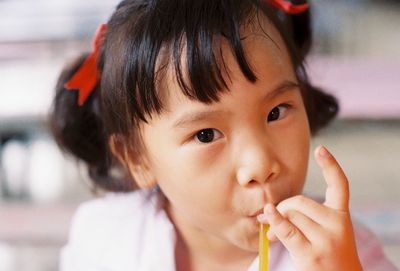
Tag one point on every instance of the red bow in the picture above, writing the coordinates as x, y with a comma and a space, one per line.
288, 7
87, 76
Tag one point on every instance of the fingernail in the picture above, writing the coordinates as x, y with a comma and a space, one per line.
262, 218
323, 152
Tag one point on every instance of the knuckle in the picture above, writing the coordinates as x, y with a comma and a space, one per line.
319, 259
291, 215
289, 233
330, 244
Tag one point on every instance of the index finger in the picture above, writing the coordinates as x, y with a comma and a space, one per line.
337, 192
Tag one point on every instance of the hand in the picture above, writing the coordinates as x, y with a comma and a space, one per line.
317, 236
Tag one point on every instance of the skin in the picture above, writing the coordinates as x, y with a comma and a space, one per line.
216, 190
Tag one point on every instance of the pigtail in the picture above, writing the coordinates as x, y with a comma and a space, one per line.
79, 131
300, 25
321, 107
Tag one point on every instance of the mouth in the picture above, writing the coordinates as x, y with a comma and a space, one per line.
255, 214
252, 218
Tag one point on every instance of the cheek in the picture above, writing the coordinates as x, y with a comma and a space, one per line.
193, 179
298, 155
292, 142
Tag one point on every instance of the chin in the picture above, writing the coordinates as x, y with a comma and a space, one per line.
250, 245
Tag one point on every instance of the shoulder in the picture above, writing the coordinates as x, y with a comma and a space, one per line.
108, 231
370, 250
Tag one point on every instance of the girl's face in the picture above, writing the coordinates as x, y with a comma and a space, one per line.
219, 164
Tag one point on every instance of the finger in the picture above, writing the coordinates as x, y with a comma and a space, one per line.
262, 218
337, 192
290, 236
311, 230
272, 237
314, 210
308, 227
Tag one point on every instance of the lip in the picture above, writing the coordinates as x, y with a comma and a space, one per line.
259, 212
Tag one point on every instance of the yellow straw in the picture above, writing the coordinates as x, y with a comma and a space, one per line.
263, 248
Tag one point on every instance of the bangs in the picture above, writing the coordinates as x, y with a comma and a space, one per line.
201, 35
182, 36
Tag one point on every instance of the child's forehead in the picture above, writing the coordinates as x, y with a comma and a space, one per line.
265, 52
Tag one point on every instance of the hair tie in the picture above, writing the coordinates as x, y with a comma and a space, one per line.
87, 76
289, 7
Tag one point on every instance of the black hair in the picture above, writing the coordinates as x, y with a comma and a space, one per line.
144, 37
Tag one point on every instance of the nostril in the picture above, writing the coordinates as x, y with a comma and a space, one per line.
250, 173
256, 180
252, 182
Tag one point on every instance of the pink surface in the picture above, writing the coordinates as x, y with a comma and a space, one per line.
34, 223
365, 88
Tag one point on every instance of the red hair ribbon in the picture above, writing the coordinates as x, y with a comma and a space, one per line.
288, 7
87, 76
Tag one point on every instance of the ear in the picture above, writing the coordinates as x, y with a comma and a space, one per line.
138, 168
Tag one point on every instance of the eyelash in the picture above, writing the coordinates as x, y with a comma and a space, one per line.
286, 106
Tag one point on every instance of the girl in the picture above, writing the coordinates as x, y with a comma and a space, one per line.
201, 113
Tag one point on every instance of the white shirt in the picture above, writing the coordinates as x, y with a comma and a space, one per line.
128, 232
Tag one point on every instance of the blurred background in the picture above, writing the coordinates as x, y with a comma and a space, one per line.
356, 56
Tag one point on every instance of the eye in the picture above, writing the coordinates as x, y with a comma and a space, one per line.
207, 135
278, 112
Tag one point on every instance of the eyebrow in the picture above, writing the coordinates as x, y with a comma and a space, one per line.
282, 88
197, 116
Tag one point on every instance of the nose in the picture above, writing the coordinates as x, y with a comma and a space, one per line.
256, 161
